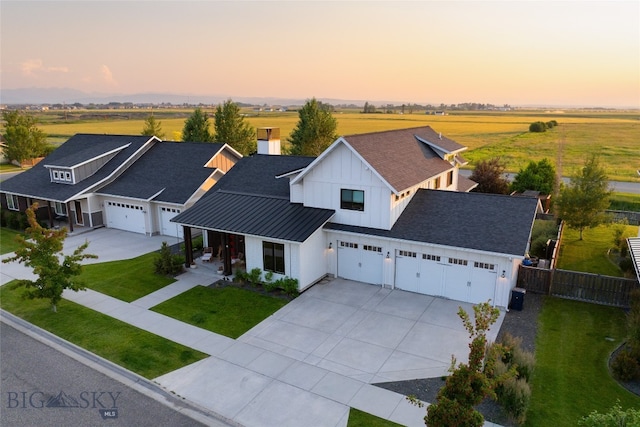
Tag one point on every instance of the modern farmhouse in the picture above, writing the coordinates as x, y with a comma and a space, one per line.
385, 208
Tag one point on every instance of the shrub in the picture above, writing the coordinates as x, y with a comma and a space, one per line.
616, 417
167, 263
289, 286
270, 286
515, 395
551, 124
254, 276
241, 276
625, 366
537, 127
197, 244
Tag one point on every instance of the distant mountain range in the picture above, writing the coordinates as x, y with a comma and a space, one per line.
71, 96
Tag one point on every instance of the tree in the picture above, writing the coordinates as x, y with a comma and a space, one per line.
315, 131
540, 176
22, 137
489, 176
152, 127
231, 128
41, 249
196, 127
469, 383
582, 203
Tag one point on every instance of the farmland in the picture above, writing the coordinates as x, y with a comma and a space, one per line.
613, 135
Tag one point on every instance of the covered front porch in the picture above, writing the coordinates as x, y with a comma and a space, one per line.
222, 252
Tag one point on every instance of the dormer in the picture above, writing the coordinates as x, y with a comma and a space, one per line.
447, 149
74, 168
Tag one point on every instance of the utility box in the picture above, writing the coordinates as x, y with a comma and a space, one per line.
517, 298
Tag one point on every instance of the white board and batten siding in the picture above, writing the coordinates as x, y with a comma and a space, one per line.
342, 169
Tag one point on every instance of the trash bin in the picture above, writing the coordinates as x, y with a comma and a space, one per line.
517, 298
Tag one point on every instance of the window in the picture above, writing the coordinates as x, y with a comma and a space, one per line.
67, 176
437, 183
349, 245
431, 257
372, 248
56, 175
273, 257
407, 254
12, 202
450, 178
352, 200
457, 261
484, 265
60, 209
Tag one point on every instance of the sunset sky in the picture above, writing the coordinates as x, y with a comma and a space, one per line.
583, 53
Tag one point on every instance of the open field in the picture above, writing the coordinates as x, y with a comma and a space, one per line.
614, 136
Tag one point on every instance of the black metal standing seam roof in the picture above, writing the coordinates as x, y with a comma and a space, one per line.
485, 222
255, 215
36, 182
175, 169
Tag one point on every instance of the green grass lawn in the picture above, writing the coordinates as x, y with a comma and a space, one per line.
139, 351
625, 202
358, 418
590, 254
7, 240
126, 280
571, 377
227, 311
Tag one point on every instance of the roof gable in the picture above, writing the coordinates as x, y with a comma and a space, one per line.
400, 158
169, 172
36, 182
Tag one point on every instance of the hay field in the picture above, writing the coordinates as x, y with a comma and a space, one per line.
614, 136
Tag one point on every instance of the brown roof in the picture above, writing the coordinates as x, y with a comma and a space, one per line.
400, 158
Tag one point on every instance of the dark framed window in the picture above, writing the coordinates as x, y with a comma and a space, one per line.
273, 257
450, 178
352, 199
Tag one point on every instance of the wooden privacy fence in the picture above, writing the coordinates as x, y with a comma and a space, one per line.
606, 290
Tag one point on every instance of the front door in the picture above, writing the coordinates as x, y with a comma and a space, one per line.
79, 219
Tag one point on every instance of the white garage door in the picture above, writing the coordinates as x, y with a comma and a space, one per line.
483, 282
455, 278
407, 271
125, 216
168, 228
362, 263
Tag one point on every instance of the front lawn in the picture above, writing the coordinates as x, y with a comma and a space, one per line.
8, 240
359, 418
126, 280
135, 349
590, 254
571, 377
227, 311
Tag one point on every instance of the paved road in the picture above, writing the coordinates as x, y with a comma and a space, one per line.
618, 186
35, 375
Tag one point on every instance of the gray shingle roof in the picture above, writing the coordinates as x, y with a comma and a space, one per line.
249, 199
175, 169
36, 182
486, 222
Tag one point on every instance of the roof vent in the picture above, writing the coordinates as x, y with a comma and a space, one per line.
440, 135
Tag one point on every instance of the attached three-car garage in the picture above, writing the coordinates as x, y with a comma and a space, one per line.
429, 272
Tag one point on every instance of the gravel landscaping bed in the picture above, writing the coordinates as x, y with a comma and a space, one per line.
522, 324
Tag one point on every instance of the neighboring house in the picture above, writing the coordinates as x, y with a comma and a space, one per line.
386, 208
133, 183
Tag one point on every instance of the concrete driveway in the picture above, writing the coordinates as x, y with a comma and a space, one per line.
367, 332
318, 356
107, 243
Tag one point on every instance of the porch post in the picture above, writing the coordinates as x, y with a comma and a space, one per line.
188, 246
226, 254
51, 225
69, 217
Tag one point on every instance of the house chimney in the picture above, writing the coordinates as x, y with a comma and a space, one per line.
269, 141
